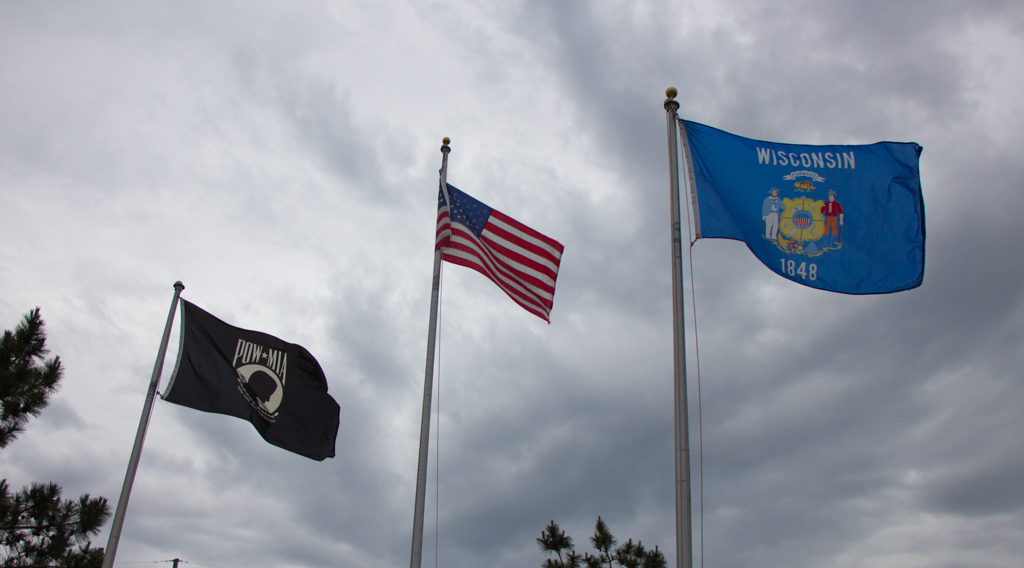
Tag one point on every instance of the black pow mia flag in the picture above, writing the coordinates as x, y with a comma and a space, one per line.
276, 385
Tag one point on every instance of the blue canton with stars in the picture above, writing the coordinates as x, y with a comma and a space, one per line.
465, 210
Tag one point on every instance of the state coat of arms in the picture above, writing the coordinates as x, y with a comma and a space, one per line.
802, 224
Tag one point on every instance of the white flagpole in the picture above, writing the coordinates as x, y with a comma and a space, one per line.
428, 387
684, 535
140, 437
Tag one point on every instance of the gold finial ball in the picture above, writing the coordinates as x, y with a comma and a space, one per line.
671, 92
446, 140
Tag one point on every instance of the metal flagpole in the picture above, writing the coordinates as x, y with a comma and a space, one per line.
428, 387
140, 437
684, 535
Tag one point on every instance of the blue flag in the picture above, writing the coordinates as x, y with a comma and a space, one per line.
841, 218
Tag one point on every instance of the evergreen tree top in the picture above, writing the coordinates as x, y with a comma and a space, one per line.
38, 528
26, 380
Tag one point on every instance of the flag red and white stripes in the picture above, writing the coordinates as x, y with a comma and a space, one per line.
521, 261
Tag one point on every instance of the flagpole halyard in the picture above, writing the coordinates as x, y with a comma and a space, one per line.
684, 536
428, 385
140, 437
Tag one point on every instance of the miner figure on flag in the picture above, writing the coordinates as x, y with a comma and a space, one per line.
833, 212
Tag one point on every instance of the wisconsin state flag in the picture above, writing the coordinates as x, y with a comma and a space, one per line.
843, 218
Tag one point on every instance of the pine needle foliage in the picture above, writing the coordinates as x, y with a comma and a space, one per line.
553, 539
26, 380
603, 541
38, 528
628, 555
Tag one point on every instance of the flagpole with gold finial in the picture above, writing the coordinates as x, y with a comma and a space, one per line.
428, 386
684, 535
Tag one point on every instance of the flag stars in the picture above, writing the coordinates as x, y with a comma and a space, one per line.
467, 211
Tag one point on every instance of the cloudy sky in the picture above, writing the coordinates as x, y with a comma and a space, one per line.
281, 161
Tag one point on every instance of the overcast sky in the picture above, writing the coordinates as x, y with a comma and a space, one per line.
280, 159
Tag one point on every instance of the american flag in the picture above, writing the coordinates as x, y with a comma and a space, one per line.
521, 261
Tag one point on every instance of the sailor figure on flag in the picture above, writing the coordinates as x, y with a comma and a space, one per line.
770, 211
